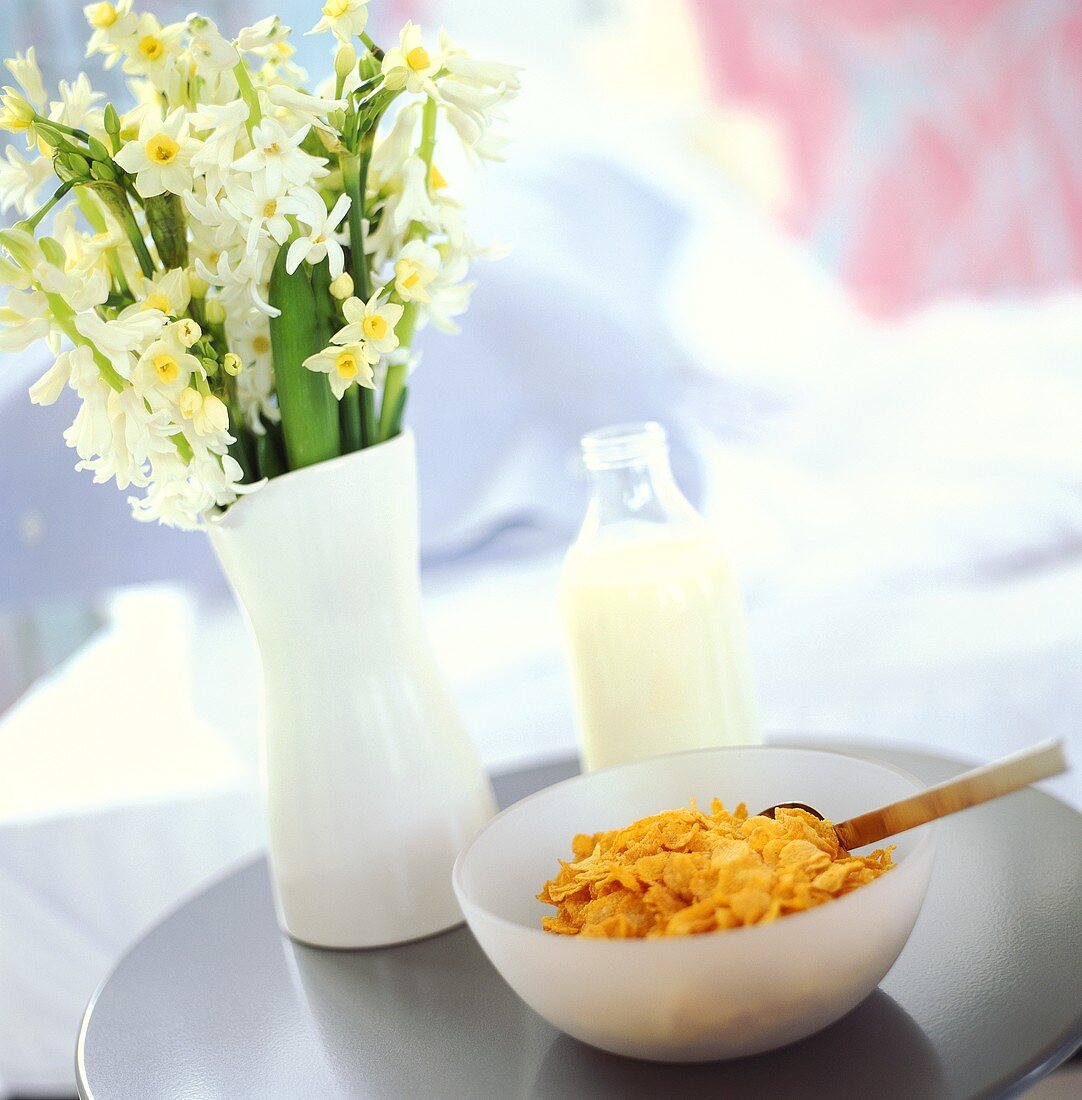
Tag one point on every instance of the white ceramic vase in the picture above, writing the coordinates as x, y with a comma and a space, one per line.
372, 785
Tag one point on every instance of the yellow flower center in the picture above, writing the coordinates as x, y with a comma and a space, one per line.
284, 49
272, 150
334, 9
418, 59
158, 301
346, 365
270, 209
150, 47
261, 345
162, 149
166, 367
374, 327
102, 16
435, 179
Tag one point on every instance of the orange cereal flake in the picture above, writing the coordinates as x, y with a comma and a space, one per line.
683, 872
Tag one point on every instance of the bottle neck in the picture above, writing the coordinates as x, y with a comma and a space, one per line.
640, 490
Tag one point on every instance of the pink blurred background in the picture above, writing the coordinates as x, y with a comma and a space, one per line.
934, 147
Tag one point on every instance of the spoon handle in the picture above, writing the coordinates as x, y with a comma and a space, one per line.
979, 785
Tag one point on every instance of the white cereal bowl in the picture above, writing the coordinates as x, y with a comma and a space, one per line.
703, 997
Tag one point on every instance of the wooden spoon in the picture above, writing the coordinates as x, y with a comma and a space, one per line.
979, 785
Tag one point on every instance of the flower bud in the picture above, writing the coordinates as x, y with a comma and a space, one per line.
103, 170
190, 402
210, 366
71, 166
215, 312
231, 364
188, 331
21, 246
344, 60
16, 113
198, 285
342, 287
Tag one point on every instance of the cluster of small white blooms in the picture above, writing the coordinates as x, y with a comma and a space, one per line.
162, 289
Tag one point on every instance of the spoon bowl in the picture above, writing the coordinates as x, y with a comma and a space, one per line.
982, 784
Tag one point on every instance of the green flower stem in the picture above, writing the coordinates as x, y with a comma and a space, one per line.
241, 449
309, 410
376, 52
354, 182
32, 223
184, 448
354, 177
351, 421
116, 202
394, 388
79, 135
248, 94
169, 228
428, 133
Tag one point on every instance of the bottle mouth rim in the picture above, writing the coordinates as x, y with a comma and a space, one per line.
623, 444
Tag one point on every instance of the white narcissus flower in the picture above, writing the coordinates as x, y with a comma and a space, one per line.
168, 294
312, 109
221, 127
343, 366
82, 290
209, 48
472, 93
371, 325
320, 243
394, 150
166, 366
113, 24
76, 105
415, 204
160, 157
343, 18
417, 265
262, 37
409, 65
119, 338
278, 154
213, 227
24, 317
152, 49
21, 179
450, 295
51, 384
254, 205
24, 68
243, 276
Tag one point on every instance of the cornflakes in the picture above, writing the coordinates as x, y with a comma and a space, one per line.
683, 872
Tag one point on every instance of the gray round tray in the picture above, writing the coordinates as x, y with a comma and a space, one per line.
216, 1002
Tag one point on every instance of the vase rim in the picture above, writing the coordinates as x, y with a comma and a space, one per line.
224, 519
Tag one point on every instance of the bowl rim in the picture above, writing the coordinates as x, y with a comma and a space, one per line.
928, 840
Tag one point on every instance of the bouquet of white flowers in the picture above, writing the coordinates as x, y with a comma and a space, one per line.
244, 263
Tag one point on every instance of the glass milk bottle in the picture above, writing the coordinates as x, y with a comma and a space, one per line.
653, 616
